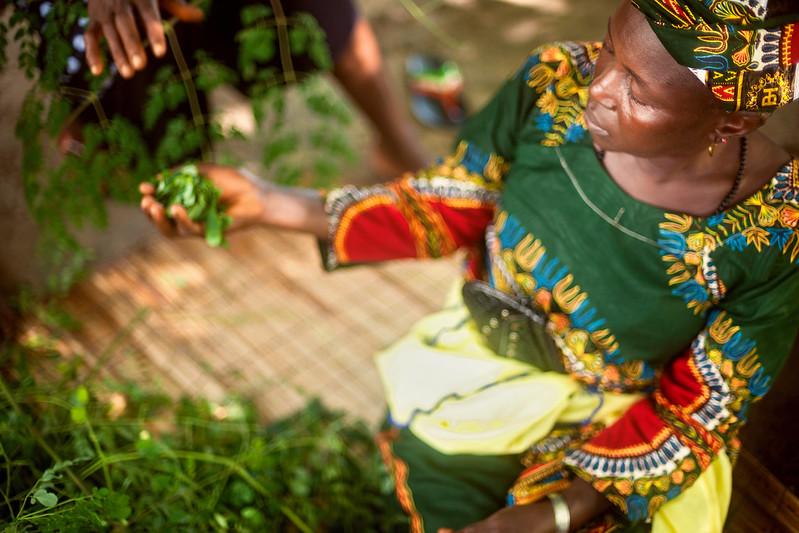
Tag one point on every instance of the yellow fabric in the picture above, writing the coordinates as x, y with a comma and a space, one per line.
459, 397
456, 395
702, 507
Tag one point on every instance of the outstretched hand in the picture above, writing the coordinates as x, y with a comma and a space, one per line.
115, 20
241, 197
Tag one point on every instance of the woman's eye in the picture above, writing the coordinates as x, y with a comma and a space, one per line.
631, 94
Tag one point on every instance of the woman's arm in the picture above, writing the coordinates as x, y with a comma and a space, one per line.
296, 209
248, 201
428, 214
585, 504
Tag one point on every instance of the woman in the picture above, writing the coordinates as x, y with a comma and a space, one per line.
622, 196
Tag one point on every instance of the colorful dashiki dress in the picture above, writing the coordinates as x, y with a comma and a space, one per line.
670, 326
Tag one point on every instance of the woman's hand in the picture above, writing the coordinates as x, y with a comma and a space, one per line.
241, 197
534, 518
585, 504
115, 20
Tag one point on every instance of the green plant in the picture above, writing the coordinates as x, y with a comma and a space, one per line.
68, 194
185, 186
79, 455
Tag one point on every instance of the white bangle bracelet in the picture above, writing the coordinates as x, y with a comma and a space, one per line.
563, 516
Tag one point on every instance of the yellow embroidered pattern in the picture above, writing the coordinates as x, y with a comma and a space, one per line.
768, 218
587, 344
561, 74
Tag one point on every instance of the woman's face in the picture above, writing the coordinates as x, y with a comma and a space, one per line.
642, 102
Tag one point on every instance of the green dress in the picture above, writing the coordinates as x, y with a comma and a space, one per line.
694, 315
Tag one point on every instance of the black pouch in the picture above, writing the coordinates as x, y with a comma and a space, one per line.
512, 328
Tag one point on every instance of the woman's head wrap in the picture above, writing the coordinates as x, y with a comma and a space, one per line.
746, 56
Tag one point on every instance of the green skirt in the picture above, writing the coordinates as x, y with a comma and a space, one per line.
437, 490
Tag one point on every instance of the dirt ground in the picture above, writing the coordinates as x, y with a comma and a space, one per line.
488, 38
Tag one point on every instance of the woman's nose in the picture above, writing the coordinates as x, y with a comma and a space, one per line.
606, 85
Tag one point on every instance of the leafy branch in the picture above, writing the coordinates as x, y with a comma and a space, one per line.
70, 193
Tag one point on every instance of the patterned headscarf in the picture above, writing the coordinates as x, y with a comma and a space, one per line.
747, 58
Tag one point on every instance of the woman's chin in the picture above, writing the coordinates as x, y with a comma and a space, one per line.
601, 140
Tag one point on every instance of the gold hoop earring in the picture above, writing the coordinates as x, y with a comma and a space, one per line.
711, 149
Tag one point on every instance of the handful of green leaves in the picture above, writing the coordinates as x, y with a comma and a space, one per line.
187, 187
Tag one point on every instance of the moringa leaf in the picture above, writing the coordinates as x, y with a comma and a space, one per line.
255, 13
45, 497
186, 187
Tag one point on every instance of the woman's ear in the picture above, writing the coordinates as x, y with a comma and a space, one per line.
740, 123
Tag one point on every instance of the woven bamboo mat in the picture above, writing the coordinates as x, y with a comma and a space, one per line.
260, 318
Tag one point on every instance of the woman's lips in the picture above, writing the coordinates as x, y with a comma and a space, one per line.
592, 124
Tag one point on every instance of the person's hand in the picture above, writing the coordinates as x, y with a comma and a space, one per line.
585, 504
115, 20
241, 197
534, 518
